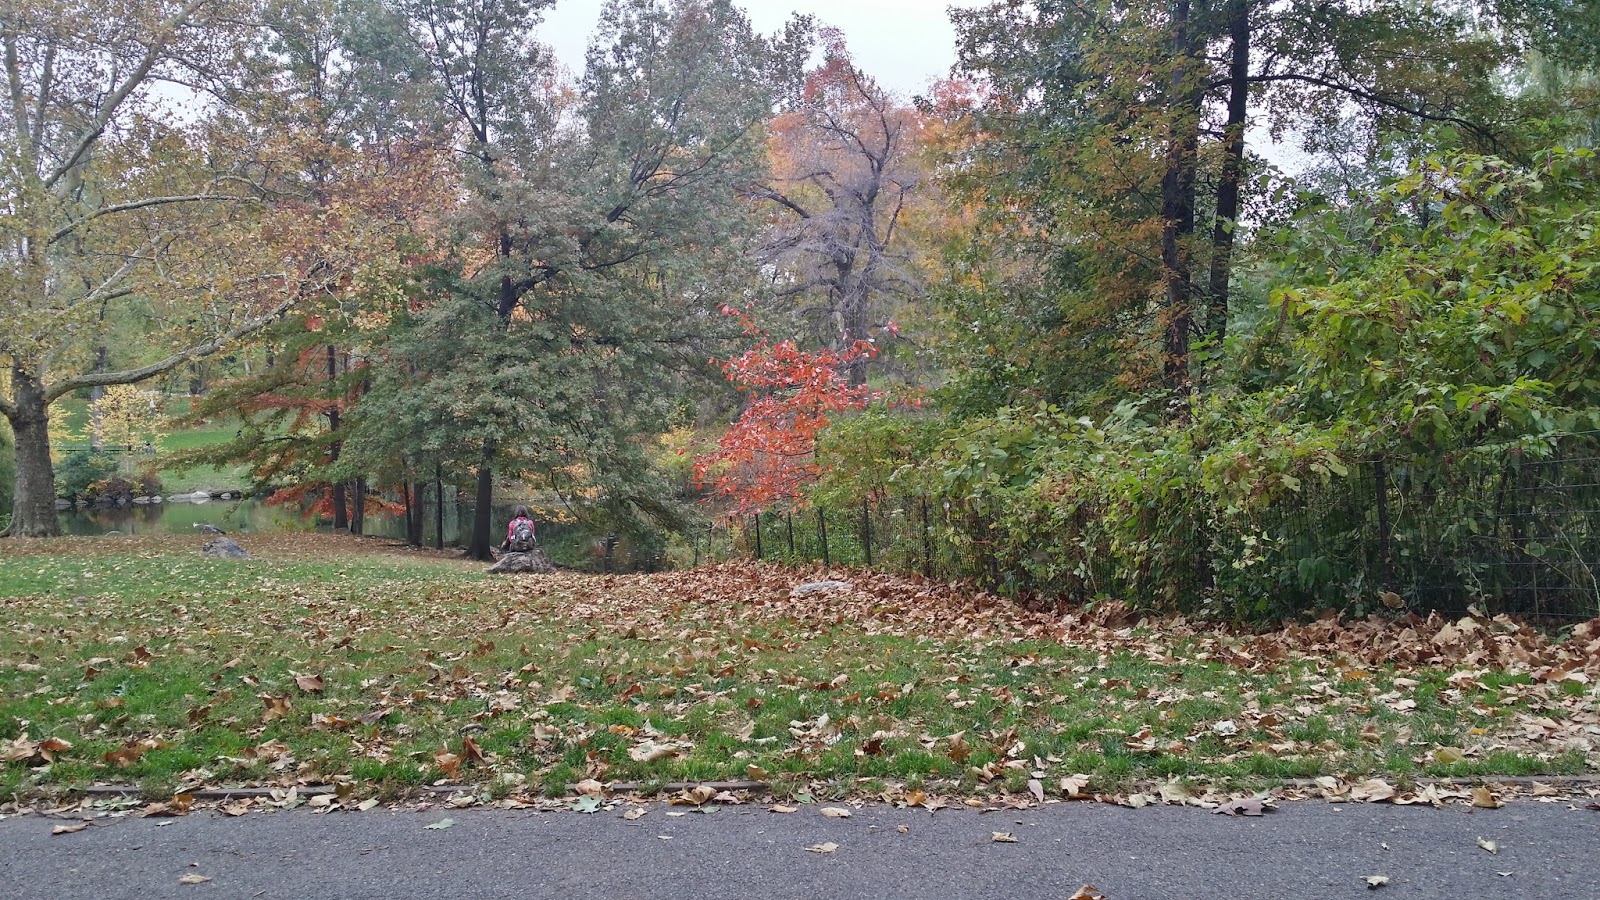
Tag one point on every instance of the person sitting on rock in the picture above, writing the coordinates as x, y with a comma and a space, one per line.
519, 533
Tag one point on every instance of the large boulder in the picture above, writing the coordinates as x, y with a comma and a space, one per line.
532, 561
224, 548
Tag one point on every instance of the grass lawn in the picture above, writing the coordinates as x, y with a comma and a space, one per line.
176, 479
334, 657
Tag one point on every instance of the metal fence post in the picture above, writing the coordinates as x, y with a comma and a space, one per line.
822, 532
866, 529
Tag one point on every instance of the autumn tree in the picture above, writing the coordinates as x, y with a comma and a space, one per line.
108, 200
1114, 141
600, 215
845, 176
768, 456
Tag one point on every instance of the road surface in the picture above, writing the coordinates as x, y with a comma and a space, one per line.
1304, 850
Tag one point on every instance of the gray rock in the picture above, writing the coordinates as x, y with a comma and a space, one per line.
819, 587
224, 548
532, 561
203, 528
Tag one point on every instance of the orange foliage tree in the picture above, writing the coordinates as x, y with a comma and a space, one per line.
768, 456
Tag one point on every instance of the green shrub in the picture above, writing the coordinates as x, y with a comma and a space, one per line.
78, 473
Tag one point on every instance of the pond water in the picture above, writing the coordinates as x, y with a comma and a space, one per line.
569, 545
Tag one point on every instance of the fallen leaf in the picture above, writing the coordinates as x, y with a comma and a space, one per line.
1490, 846
440, 825
826, 847
835, 812
1088, 892
1245, 806
588, 803
635, 813
780, 808
1374, 790
1002, 837
1376, 881
69, 829
1483, 798
590, 786
193, 879
902, 829
1036, 788
309, 683
369, 803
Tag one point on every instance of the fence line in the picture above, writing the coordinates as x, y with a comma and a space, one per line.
1495, 530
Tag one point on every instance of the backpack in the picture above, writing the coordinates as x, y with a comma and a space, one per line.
522, 535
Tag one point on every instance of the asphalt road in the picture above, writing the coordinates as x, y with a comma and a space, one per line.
1305, 850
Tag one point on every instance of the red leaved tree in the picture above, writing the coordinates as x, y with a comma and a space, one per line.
768, 456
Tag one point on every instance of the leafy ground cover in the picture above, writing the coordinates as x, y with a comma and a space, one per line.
334, 659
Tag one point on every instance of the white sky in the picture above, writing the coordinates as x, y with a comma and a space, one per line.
904, 44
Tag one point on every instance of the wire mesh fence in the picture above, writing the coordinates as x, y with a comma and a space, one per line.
1498, 529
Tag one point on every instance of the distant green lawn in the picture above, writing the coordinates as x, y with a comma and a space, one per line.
175, 479
340, 658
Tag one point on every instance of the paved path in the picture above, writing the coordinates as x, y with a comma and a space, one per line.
1306, 850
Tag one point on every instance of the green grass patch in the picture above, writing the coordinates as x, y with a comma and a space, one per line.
324, 659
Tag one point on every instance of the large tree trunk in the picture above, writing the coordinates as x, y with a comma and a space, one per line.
34, 510
1177, 205
482, 514
1222, 234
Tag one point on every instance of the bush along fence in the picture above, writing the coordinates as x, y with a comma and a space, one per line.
1498, 530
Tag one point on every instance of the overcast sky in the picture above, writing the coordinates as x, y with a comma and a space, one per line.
904, 44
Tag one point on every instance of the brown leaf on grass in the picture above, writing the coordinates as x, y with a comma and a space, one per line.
277, 707
650, 751
1072, 786
1036, 788
18, 750
447, 762
69, 829
194, 879
471, 752
129, 752
916, 798
959, 748
309, 683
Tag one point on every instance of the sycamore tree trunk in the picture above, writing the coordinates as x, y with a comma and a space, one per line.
34, 511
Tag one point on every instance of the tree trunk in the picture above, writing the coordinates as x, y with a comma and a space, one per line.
34, 511
358, 510
1177, 205
438, 509
482, 514
1223, 232
341, 510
